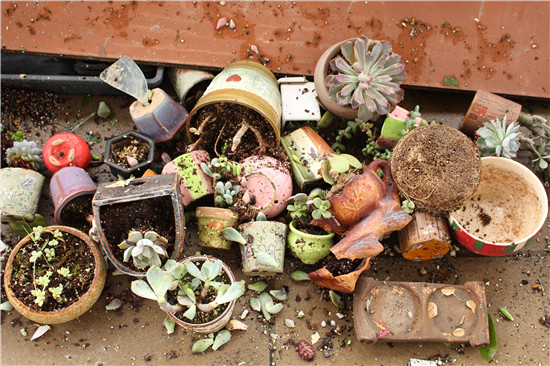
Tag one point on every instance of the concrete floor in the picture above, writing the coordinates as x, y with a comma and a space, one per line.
128, 336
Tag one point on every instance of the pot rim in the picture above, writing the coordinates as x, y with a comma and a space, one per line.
94, 291
215, 213
293, 228
537, 187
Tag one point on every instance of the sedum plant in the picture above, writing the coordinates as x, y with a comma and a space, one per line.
25, 154
189, 285
146, 249
495, 138
368, 77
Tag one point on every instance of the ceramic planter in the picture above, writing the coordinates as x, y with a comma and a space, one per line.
21, 190
508, 208
194, 183
343, 283
65, 149
161, 119
73, 311
320, 74
245, 83
157, 190
299, 100
66, 185
119, 142
420, 312
211, 221
263, 236
219, 322
269, 181
306, 146
307, 247
392, 127
189, 84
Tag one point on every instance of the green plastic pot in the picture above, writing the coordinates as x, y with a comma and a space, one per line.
308, 248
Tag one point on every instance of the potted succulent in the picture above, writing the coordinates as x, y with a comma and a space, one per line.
54, 274
308, 243
197, 293
262, 245
129, 154
363, 81
25, 154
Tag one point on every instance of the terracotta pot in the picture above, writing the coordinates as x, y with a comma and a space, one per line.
263, 236
194, 183
74, 310
148, 188
219, 322
343, 283
21, 190
269, 181
322, 68
161, 119
308, 147
118, 141
211, 221
507, 210
67, 184
65, 149
307, 247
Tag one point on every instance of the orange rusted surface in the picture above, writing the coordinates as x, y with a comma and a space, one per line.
499, 46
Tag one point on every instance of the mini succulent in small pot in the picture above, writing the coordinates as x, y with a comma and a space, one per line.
129, 154
309, 246
145, 250
365, 76
198, 293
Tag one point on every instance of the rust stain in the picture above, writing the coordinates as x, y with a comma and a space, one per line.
454, 33
315, 41
31, 30
491, 52
149, 42
411, 45
73, 37
119, 18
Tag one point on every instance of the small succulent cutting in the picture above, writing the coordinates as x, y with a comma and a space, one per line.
145, 249
368, 77
25, 154
495, 138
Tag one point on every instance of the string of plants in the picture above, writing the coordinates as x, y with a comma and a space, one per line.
268, 186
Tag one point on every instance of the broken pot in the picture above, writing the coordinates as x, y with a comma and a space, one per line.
344, 282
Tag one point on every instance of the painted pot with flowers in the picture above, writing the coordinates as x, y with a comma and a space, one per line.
21, 190
54, 275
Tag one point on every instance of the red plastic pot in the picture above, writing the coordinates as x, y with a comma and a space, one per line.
65, 149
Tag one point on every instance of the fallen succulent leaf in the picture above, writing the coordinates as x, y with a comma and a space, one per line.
432, 310
113, 305
489, 351
255, 304
222, 338
315, 337
279, 294
40, 332
335, 298
169, 324
258, 286
448, 291
289, 323
235, 324
299, 276
506, 314
472, 305
202, 345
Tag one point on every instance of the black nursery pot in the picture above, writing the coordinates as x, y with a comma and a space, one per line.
119, 142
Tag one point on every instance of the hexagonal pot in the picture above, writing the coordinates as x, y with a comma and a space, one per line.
119, 142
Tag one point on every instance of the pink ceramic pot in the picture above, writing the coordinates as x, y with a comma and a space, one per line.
194, 183
269, 181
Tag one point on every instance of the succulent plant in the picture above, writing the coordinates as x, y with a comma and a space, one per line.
25, 154
495, 138
145, 249
225, 192
367, 78
336, 164
305, 207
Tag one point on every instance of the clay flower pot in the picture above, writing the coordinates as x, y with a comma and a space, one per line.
343, 283
508, 208
267, 237
320, 74
219, 322
308, 147
269, 181
126, 145
151, 203
308, 248
194, 183
65, 149
21, 189
161, 119
211, 221
76, 309
67, 185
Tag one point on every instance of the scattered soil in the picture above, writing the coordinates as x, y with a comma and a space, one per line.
23, 105
78, 213
128, 147
7, 142
341, 267
220, 123
156, 214
71, 253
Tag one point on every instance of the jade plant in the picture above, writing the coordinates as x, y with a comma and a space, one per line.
25, 154
368, 77
184, 287
145, 250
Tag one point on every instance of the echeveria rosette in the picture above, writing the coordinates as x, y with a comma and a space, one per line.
368, 77
496, 138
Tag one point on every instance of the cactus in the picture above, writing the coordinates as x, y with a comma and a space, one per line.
25, 154
495, 138
367, 78
145, 249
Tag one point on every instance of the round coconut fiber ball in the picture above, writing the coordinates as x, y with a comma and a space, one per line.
437, 167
